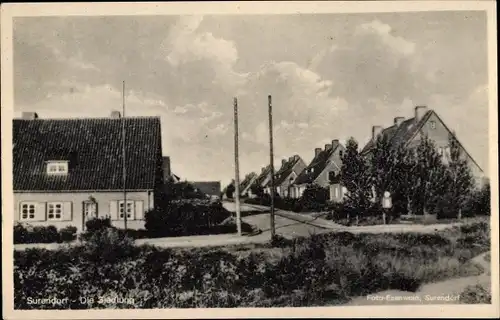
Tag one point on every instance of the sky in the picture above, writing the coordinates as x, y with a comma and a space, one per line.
331, 76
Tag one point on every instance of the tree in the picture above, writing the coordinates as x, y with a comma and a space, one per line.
429, 177
403, 180
314, 197
230, 189
461, 181
355, 178
381, 167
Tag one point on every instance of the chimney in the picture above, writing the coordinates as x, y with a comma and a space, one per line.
328, 147
166, 167
335, 142
29, 116
398, 121
376, 131
419, 112
283, 162
263, 169
317, 151
115, 115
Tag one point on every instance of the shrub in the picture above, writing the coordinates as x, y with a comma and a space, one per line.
185, 218
321, 269
21, 234
43, 234
67, 234
96, 224
108, 245
476, 294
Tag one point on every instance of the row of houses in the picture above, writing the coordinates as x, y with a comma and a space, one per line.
67, 171
292, 178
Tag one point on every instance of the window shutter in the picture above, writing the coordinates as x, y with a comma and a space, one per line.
132, 214
68, 211
113, 210
139, 210
41, 211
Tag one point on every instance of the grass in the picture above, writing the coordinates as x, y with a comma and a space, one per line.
322, 269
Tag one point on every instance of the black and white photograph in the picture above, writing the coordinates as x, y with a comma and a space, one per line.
250, 156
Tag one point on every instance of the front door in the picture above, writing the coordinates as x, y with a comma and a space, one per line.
89, 211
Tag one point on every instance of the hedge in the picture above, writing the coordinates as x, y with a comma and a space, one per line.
39, 234
184, 218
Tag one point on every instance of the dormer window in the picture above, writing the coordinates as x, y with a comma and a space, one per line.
57, 167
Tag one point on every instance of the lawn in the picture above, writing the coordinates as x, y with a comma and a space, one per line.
325, 269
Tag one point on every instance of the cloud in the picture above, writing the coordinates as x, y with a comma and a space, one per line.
330, 76
383, 31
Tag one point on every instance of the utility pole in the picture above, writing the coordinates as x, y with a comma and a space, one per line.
269, 99
125, 207
236, 169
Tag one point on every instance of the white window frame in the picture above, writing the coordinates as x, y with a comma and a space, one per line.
28, 204
53, 206
57, 167
131, 215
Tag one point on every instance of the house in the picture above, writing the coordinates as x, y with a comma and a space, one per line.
168, 176
261, 181
408, 132
246, 184
67, 171
323, 169
286, 175
211, 189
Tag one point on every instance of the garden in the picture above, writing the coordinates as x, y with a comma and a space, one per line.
326, 269
174, 218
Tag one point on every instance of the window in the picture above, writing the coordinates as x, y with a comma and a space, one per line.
129, 210
28, 210
341, 153
54, 211
57, 167
432, 124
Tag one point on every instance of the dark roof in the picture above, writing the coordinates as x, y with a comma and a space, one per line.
318, 164
249, 178
208, 187
263, 175
399, 134
285, 170
94, 150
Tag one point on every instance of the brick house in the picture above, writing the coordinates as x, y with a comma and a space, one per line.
323, 169
424, 123
286, 175
67, 171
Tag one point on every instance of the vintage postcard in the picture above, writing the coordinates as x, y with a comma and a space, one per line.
249, 159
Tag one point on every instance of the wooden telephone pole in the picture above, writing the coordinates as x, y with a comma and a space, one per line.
236, 169
269, 99
124, 163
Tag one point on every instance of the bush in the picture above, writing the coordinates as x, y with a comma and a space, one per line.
185, 218
42, 234
108, 245
68, 234
322, 269
97, 224
476, 294
21, 234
